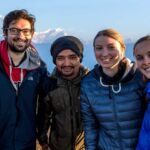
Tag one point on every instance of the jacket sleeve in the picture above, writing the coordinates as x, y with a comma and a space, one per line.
144, 139
43, 106
89, 122
43, 119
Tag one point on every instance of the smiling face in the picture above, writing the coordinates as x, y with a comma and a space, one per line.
108, 52
18, 42
68, 64
142, 55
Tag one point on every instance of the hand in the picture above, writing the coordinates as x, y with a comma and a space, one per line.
45, 147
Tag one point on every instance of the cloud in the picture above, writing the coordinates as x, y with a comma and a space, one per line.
1, 20
48, 36
1, 23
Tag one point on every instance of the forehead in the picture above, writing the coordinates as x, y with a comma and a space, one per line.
142, 47
20, 23
104, 40
66, 52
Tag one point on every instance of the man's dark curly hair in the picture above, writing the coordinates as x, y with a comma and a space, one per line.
16, 15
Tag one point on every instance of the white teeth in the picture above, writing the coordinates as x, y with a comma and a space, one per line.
20, 43
106, 60
147, 69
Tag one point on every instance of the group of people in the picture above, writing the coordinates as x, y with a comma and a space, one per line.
72, 108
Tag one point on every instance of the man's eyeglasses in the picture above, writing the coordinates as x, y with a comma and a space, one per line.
16, 31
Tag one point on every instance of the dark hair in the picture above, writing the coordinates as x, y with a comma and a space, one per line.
16, 15
144, 38
110, 33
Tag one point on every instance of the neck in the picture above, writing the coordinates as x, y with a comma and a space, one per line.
16, 57
110, 71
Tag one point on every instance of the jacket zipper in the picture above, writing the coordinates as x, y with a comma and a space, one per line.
71, 113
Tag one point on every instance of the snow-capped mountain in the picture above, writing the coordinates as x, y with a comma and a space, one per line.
41, 37
48, 36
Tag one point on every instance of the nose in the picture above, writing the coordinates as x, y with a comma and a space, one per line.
105, 51
67, 61
21, 35
146, 60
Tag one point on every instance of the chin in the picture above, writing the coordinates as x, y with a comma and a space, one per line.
106, 66
147, 76
67, 75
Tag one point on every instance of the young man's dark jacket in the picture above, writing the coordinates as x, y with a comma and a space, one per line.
18, 108
62, 114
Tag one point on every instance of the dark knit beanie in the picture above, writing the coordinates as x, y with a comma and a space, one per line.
67, 42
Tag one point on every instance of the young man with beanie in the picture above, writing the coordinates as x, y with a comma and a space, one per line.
22, 76
61, 108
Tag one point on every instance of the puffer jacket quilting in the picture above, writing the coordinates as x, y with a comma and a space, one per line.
111, 120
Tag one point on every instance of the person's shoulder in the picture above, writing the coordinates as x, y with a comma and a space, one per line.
91, 75
43, 64
87, 76
138, 75
42, 69
52, 83
49, 85
139, 78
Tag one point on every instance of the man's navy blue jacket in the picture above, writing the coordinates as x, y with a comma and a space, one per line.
18, 110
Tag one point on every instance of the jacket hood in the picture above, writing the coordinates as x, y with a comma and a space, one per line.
130, 67
17, 74
31, 62
129, 71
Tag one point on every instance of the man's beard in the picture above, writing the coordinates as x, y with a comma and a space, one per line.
70, 75
15, 47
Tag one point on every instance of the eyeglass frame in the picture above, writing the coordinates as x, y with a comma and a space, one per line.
17, 30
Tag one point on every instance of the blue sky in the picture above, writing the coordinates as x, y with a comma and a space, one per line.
84, 18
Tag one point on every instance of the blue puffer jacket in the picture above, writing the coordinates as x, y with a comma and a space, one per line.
112, 119
144, 138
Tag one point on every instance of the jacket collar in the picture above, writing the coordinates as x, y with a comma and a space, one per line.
17, 74
31, 62
128, 73
60, 80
